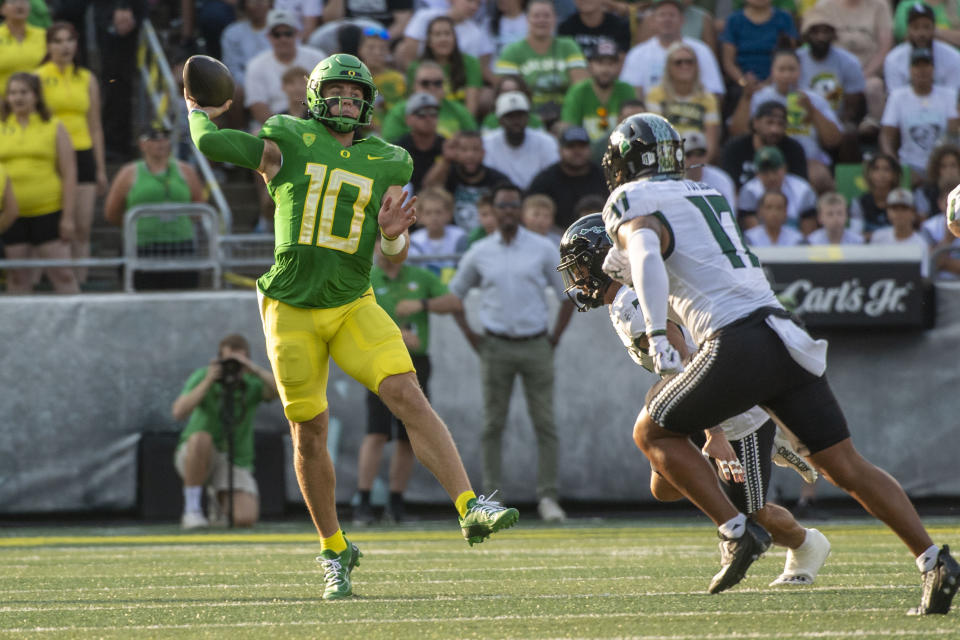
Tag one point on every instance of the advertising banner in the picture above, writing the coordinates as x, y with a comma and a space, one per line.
842, 286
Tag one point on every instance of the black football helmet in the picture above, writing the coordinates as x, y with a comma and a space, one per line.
642, 146
583, 247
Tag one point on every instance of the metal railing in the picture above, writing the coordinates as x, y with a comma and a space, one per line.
220, 254
201, 255
163, 92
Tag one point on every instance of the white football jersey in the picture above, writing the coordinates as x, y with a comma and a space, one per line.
714, 279
627, 319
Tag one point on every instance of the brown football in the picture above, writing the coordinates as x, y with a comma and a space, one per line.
207, 80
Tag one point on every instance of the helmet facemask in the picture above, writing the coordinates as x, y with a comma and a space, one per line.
341, 68
579, 270
320, 108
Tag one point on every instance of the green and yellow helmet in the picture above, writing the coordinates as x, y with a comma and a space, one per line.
341, 67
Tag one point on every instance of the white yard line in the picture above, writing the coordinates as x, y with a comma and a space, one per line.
500, 618
409, 599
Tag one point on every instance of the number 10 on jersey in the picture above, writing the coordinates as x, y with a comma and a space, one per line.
326, 200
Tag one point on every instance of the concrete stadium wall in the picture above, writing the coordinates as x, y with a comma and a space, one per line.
81, 377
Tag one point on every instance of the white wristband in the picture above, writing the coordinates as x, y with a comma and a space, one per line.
393, 247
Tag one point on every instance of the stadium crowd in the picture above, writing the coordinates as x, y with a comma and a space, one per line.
828, 122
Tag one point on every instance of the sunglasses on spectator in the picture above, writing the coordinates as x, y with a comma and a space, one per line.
383, 34
283, 33
426, 113
678, 62
511, 204
431, 83
155, 135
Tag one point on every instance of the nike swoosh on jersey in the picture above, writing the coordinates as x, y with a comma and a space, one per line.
370, 157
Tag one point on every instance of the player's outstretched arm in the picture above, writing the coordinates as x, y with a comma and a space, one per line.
229, 145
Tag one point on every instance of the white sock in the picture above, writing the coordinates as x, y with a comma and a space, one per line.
734, 527
191, 499
928, 559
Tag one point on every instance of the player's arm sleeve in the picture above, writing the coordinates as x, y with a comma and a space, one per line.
229, 145
649, 279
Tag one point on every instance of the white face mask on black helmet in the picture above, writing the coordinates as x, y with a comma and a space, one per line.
583, 247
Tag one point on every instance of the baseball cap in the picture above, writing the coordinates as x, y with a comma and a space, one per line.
419, 101
694, 141
770, 107
154, 131
573, 135
920, 10
812, 17
604, 48
511, 101
900, 197
278, 17
921, 54
768, 158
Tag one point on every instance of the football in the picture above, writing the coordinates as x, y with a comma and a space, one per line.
207, 80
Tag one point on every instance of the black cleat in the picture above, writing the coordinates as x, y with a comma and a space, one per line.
737, 554
939, 585
363, 516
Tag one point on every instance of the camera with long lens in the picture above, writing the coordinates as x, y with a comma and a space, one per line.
230, 370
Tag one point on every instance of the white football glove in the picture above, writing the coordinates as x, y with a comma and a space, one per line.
617, 266
666, 359
785, 456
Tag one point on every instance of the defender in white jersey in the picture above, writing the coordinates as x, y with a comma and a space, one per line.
676, 239
740, 446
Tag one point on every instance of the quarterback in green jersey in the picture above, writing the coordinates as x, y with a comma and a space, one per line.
334, 192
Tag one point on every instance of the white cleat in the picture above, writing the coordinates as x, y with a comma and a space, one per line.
803, 563
191, 520
550, 511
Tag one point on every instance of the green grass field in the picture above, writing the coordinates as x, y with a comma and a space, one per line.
589, 579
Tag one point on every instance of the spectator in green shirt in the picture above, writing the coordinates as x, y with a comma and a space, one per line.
550, 65
452, 116
201, 457
594, 103
407, 293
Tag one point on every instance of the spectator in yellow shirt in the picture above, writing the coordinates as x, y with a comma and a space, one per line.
72, 94
22, 45
35, 149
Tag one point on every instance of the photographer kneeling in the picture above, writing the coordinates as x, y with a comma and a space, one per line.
201, 458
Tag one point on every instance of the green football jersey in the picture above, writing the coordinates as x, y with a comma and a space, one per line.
327, 198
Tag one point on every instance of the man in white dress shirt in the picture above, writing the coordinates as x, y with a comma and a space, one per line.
512, 268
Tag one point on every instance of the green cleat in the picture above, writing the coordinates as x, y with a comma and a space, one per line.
484, 517
336, 571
